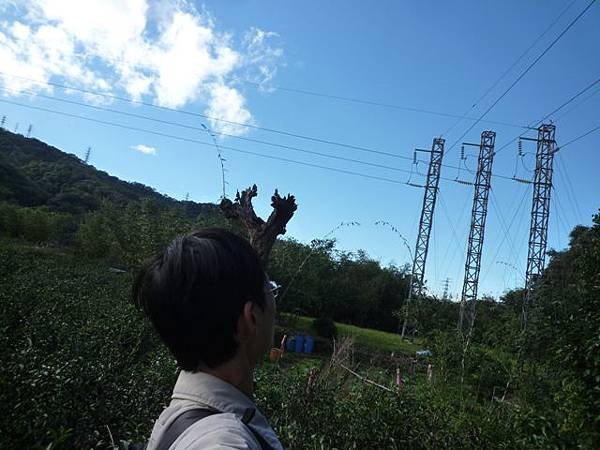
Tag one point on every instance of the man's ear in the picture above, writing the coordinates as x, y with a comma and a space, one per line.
248, 318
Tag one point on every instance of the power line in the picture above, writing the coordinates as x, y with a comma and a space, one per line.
554, 111
587, 133
472, 172
571, 196
502, 221
507, 71
247, 139
330, 96
454, 253
142, 130
196, 114
529, 67
312, 152
375, 103
506, 232
200, 128
585, 100
577, 95
452, 227
195, 141
558, 219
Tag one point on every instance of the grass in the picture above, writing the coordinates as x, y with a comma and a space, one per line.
364, 337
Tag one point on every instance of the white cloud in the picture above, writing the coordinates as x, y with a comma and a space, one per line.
227, 104
145, 149
262, 57
164, 50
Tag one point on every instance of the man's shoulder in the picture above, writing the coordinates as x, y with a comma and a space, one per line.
219, 431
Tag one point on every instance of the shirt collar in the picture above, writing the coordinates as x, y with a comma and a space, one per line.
215, 393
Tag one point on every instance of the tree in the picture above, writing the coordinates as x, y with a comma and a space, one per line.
563, 339
262, 235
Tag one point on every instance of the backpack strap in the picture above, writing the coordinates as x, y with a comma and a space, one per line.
246, 418
187, 418
181, 423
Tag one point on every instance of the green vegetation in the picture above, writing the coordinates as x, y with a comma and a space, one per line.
76, 357
365, 337
79, 363
78, 360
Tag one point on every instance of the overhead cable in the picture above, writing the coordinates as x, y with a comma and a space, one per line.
507, 71
523, 73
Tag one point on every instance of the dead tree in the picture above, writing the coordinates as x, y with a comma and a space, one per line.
262, 234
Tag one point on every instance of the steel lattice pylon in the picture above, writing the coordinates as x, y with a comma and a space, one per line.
429, 199
477, 231
540, 209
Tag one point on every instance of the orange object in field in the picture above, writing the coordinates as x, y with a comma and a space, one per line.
275, 354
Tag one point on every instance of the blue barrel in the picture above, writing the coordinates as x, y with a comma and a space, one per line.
290, 345
309, 344
299, 343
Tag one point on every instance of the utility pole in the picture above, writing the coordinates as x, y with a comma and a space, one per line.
477, 231
87, 155
425, 223
540, 209
29, 128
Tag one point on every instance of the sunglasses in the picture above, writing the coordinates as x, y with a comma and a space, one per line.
275, 288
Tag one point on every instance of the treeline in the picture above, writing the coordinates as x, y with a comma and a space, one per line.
317, 279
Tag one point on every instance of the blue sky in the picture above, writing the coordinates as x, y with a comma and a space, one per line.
436, 56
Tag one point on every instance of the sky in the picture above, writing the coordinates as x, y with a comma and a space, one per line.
278, 88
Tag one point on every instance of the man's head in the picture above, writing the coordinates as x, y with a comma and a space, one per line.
209, 299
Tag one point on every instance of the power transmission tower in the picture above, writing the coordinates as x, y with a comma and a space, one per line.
187, 196
87, 155
422, 246
477, 231
540, 208
16, 127
29, 128
3, 121
445, 293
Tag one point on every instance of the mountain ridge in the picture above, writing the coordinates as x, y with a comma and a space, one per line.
33, 173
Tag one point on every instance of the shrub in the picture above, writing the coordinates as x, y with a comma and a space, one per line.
324, 327
37, 224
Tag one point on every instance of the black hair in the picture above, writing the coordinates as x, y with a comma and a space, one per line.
195, 291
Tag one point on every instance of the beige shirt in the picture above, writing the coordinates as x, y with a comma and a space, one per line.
219, 431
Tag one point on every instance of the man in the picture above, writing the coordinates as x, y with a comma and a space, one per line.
209, 299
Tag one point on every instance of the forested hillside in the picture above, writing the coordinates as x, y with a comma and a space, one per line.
33, 173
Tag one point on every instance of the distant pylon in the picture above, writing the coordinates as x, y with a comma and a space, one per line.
477, 231
87, 155
2, 122
187, 196
16, 127
540, 208
445, 293
422, 245
29, 128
